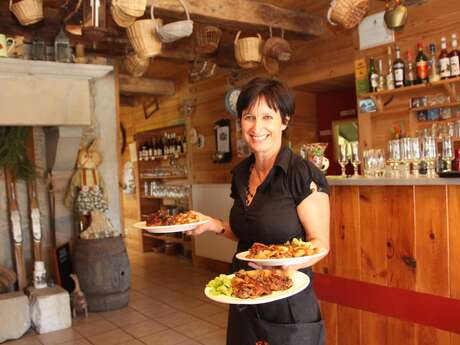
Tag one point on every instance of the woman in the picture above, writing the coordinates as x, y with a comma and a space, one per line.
277, 197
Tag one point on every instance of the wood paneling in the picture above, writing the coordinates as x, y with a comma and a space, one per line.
400, 228
346, 232
453, 193
329, 314
400, 332
348, 326
431, 336
374, 329
431, 240
373, 209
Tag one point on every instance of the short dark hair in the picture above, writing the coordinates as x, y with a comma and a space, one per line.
277, 95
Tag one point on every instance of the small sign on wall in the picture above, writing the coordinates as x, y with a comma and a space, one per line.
373, 32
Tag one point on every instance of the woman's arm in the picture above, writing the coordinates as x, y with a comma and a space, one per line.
314, 214
219, 227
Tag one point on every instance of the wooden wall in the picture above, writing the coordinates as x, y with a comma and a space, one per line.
414, 251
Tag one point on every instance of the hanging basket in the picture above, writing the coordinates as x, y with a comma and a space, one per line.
134, 8
207, 39
174, 31
143, 38
121, 18
248, 50
27, 11
347, 13
135, 65
277, 48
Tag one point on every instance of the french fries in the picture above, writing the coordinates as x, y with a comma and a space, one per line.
295, 248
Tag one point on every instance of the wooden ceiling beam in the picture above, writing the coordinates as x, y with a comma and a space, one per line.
146, 86
243, 15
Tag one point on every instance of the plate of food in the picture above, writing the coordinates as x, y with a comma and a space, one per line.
256, 287
294, 252
161, 222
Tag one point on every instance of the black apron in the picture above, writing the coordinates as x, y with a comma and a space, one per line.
295, 320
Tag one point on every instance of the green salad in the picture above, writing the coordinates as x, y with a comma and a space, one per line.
221, 285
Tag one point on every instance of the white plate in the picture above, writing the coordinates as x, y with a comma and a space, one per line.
166, 229
282, 261
300, 281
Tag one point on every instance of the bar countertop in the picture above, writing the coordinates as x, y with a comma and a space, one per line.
384, 181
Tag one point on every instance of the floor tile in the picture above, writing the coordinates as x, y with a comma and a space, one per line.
115, 337
125, 316
218, 319
144, 328
205, 310
88, 329
175, 319
59, 337
25, 340
197, 329
189, 342
168, 337
215, 338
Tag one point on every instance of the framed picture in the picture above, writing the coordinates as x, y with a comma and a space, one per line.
367, 105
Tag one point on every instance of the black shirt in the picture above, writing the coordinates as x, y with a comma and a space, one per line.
272, 218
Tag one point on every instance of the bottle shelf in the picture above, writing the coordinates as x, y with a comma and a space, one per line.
163, 157
160, 198
178, 177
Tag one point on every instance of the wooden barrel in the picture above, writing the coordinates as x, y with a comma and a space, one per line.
103, 269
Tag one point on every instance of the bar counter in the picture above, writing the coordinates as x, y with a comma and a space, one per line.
384, 181
394, 263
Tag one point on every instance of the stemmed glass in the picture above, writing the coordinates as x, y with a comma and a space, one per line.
416, 155
355, 157
394, 153
344, 157
429, 153
380, 162
447, 151
406, 155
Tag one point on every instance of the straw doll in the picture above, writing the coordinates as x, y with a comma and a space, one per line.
86, 191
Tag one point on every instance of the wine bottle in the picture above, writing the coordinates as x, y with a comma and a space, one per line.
454, 58
373, 76
381, 78
410, 77
444, 60
433, 66
399, 69
421, 62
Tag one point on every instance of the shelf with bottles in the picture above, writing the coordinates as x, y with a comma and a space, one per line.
163, 145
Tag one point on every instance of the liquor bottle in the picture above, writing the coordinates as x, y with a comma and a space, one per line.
184, 144
399, 69
389, 77
454, 58
433, 66
150, 151
173, 144
373, 76
444, 60
165, 144
421, 62
381, 78
410, 78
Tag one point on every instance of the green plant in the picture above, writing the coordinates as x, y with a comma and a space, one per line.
13, 152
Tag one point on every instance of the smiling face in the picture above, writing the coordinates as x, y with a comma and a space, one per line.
262, 128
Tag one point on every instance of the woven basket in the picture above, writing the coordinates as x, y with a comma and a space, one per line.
134, 8
248, 50
277, 47
347, 13
143, 38
174, 31
207, 39
121, 18
27, 11
135, 65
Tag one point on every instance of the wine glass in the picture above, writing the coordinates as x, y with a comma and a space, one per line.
447, 151
429, 153
416, 155
406, 155
343, 157
394, 152
379, 162
354, 145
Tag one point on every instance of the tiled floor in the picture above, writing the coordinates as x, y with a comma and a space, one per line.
167, 307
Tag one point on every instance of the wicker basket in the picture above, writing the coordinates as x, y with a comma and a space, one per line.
207, 39
347, 13
143, 38
277, 48
27, 11
248, 50
121, 18
134, 8
135, 65
174, 31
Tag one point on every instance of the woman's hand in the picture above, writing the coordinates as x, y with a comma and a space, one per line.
214, 225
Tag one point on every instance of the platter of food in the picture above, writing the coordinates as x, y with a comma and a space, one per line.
294, 252
256, 287
161, 222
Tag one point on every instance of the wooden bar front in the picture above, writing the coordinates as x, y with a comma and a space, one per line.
393, 273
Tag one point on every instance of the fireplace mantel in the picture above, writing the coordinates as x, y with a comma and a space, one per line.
43, 93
